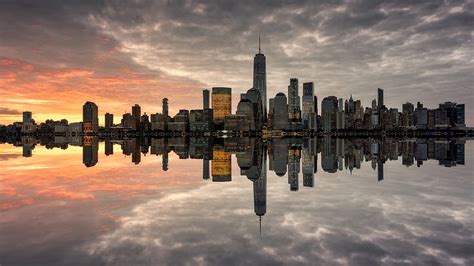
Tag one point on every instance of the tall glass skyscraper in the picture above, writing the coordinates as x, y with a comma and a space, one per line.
260, 76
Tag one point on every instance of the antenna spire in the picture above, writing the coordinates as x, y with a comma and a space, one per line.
259, 50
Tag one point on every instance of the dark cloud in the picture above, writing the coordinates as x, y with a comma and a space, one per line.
7, 111
345, 47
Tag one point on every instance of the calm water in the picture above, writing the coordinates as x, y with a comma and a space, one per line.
320, 201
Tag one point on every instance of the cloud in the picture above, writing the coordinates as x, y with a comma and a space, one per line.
367, 222
7, 111
416, 51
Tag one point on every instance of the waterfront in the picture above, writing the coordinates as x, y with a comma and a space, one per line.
55, 210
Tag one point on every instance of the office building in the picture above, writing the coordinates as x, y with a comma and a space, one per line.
136, 114
380, 98
27, 117
294, 111
109, 121
127, 121
329, 108
309, 114
280, 112
421, 116
205, 99
180, 122
90, 118
221, 103
165, 111
200, 120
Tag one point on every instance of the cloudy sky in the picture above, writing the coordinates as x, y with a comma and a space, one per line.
54, 56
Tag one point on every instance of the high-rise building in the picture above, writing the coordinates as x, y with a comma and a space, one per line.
380, 98
136, 114
250, 105
329, 107
90, 117
109, 121
294, 111
340, 116
260, 77
205, 99
27, 116
421, 116
28, 123
280, 112
221, 103
127, 120
165, 113
309, 116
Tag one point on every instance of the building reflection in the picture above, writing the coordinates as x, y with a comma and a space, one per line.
286, 156
90, 150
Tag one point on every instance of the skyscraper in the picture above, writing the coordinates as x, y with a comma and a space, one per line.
308, 106
109, 121
205, 99
221, 103
380, 98
136, 113
165, 113
280, 112
90, 117
329, 107
260, 76
27, 117
294, 111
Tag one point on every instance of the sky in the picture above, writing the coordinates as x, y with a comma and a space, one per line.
56, 55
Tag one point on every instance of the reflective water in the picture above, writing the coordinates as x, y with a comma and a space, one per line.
213, 201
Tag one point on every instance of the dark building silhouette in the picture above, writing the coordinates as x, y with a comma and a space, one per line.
380, 98
309, 114
329, 108
109, 121
280, 112
27, 117
165, 111
90, 118
136, 114
205, 99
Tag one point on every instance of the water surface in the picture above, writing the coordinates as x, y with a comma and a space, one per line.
237, 201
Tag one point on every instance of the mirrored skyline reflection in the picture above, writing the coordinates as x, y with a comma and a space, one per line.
162, 207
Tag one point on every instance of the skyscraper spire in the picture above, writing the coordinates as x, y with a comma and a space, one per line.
259, 50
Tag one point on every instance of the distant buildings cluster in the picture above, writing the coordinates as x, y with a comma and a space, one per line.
284, 113
286, 156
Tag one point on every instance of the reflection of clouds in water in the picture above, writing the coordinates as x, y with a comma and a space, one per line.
343, 220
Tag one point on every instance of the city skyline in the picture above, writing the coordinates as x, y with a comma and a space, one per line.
220, 132
99, 60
